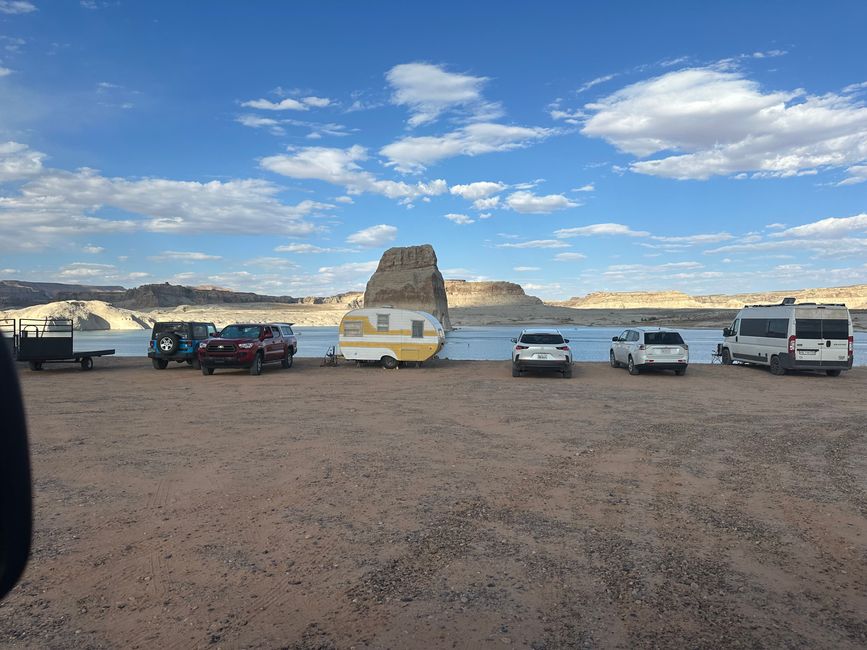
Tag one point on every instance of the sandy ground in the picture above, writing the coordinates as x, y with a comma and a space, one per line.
447, 506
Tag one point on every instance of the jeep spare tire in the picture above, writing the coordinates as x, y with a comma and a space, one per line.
168, 343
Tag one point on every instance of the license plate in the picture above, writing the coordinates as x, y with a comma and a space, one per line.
807, 352
541, 356
667, 350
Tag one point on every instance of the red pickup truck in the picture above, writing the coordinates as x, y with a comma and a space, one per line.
249, 345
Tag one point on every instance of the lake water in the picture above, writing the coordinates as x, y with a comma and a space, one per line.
466, 343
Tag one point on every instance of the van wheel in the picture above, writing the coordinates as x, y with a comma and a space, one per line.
833, 373
389, 363
630, 365
776, 368
612, 360
726, 357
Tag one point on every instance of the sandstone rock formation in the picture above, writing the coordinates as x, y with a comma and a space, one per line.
408, 278
481, 294
85, 315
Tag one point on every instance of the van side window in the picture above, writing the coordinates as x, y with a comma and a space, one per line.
382, 322
418, 329
835, 328
778, 328
353, 328
754, 327
734, 327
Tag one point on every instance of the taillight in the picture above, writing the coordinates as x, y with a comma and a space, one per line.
562, 347
792, 340
521, 347
851, 346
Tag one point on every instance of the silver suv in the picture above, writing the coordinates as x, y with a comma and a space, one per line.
543, 349
649, 349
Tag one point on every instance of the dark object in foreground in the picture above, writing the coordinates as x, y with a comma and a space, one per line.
50, 341
16, 521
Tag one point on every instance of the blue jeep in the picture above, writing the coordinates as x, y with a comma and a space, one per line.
178, 341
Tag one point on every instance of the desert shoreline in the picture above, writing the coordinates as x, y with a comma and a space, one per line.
451, 505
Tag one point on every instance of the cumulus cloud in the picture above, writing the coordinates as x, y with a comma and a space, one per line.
373, 237
828, 228
93, 250
599, 229
340, 167
477, 190
412, 154
529, 203
486, 204
460, 219
288, 104
428, 90
717, 122
18, 161
536, 243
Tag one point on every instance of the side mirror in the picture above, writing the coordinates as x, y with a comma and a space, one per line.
16, 520
615, 338
514, 340
727, 331
565, 340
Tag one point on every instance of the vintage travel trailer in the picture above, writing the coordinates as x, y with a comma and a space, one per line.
806, 336
390, 335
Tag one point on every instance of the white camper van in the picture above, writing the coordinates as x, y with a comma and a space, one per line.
808, 336
390, 335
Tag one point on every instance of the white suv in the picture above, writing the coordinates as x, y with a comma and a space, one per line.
541, 348
644, 348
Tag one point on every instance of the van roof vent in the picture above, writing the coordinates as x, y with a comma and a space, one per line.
788, 301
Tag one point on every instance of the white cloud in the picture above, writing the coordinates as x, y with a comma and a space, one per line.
4, 71
9, 271
345, 199
529, 203
288, 104
477, 190
526, 269
16, 7
460, 219
93, 250
487, 204
18, 161
857, 174
305, 249
597, 229
828, 228
86, 270
186, 256
595, 82
536, 243
719, 123
340, 167
585, 188
415, 153
429, 90
691, 240
831, 248
569, 257
373, 237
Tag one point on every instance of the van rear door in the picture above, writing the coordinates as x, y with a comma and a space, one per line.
808, 335
835, 335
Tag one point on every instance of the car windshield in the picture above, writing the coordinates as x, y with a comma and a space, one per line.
542, 339
241, 332
662, 338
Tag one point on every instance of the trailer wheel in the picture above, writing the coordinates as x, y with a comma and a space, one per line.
389, 363
86, 363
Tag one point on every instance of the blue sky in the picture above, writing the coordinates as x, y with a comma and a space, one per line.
281, 147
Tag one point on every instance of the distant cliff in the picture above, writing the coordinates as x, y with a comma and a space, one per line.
855, 297
480, 294
19, 293
92, 315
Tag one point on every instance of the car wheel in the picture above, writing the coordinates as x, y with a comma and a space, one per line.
160, 364
286, 362
567, 372
196, 363
35, 365
726, 357
516, 370
256, 368
168, 343
833, 373
612, 360
680, 372
776, 367
207, 371
87, 363
630, 365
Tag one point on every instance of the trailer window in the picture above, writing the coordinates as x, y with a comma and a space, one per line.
418, 329
778, 328
382, 322
352, 328
835, 328
808, 328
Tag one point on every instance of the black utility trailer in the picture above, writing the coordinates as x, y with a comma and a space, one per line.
50, 341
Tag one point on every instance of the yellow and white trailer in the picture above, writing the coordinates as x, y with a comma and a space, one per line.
390, 335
